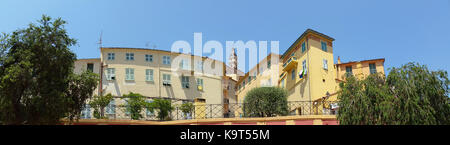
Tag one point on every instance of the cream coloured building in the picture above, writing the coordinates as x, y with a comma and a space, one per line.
153, 74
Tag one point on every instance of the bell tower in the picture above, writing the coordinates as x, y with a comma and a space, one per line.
232, 62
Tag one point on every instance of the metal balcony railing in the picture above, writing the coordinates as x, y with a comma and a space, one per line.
227, 110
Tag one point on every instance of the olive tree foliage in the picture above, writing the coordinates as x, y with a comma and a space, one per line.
266, 102
37, 84
409, 95
99, 103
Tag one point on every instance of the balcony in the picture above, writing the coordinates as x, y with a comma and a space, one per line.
290, 63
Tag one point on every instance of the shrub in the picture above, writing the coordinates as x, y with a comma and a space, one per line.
266, 102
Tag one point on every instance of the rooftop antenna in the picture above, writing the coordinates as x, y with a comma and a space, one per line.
100, 40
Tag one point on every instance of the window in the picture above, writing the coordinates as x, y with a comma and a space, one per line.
200, 84
325, 64
254, 75
304, 65
348, 69
129, 56
166, 79
149, 75
148, 113
249, 79
129, 72
324, 46
293, 74
110, 74
185, 81
90, 67
187, 115
184, 64
282, 83
86, 113
111, 108
268, 64
111, 56
166, 60
303, 47
127, 108
373, 68
149, 58
199, 66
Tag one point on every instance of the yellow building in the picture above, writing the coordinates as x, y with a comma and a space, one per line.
308, 73
360, 69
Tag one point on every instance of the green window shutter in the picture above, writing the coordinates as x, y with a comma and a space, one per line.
303, 47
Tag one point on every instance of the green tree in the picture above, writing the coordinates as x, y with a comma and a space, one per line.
164, 108
99, 103
81, 87
36, 75
266, 102
366, 102
135, 104
410, 95
422, 94
187, 108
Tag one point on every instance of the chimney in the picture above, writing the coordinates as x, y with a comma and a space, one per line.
339, 60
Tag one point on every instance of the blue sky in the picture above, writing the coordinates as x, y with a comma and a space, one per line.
400, 31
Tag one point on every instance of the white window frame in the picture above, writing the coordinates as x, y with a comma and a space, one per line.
110, 72
166, 60
325, 64
129, 74
166, 78
185, 82
149, 75
184, 64
199, 66
304, 65
199, 82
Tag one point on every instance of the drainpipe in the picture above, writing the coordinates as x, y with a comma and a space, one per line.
308, 75
100, 87
159, 77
